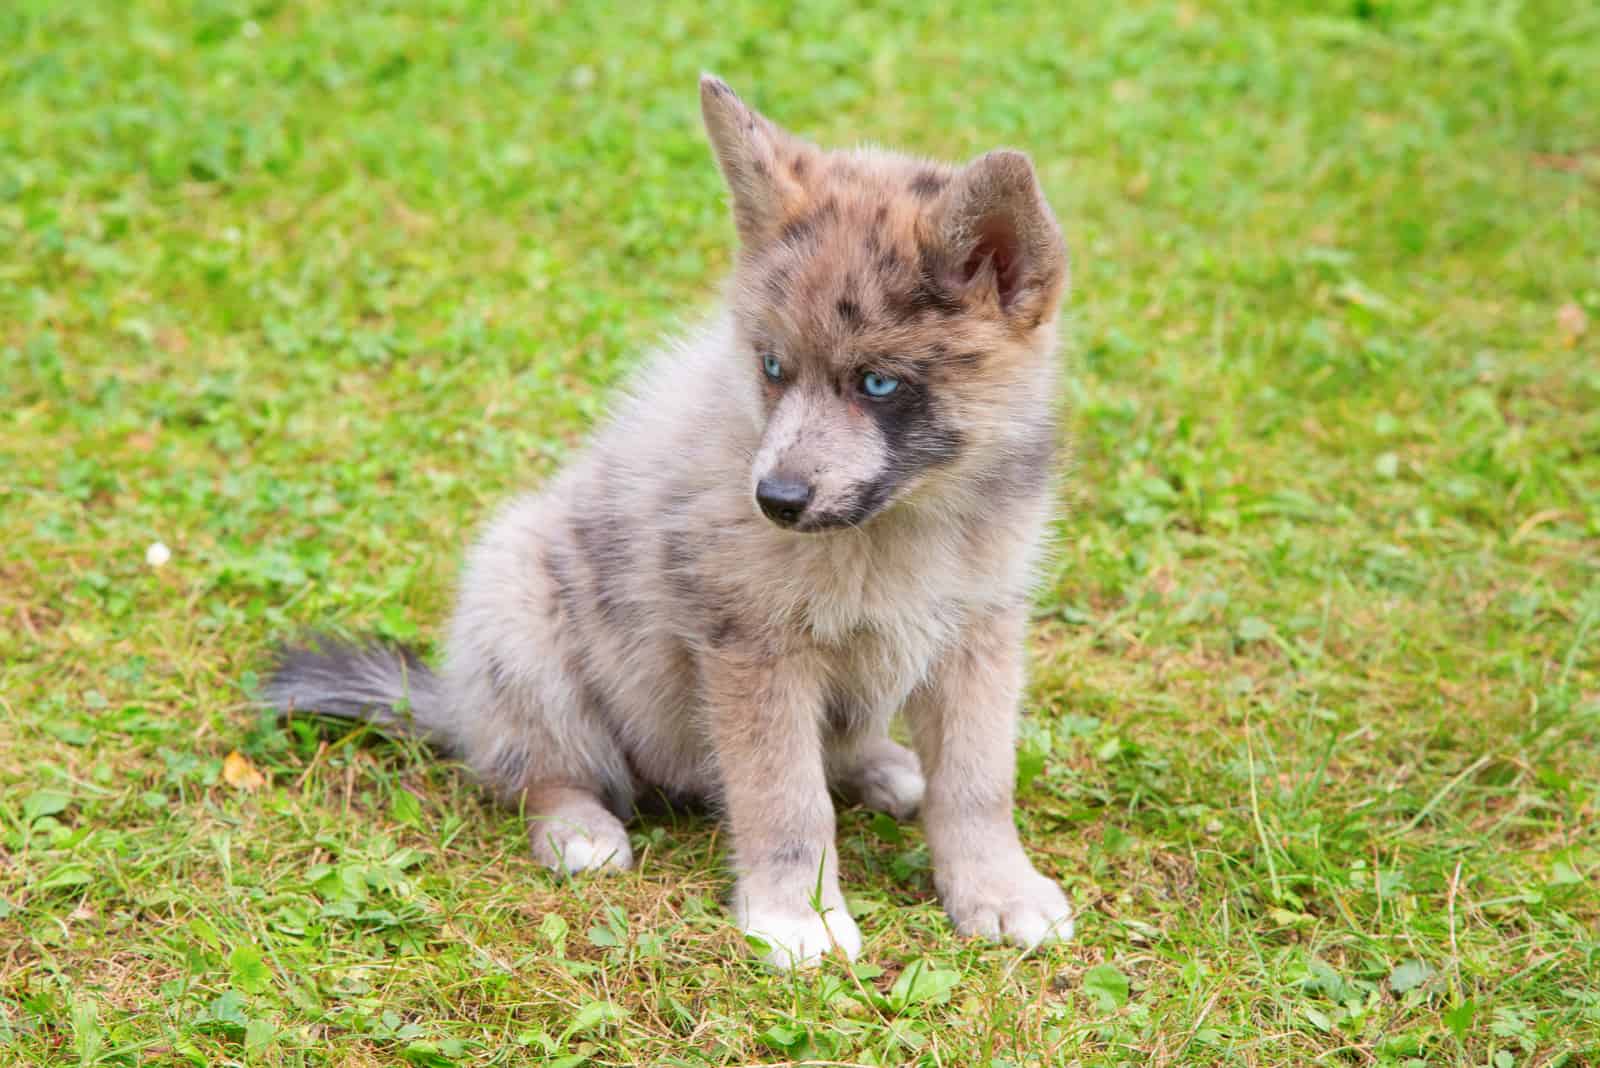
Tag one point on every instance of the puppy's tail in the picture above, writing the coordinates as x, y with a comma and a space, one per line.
387, 686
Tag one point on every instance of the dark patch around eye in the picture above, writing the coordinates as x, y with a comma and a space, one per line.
916, 436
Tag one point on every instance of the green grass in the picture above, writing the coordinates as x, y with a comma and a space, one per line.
303, 291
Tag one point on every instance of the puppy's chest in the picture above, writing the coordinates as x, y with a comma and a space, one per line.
908, 592
880, 633
855, 593
870, 675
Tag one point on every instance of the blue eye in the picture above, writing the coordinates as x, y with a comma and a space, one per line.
770, 364
879, 386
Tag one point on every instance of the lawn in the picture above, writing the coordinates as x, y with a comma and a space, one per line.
303, 290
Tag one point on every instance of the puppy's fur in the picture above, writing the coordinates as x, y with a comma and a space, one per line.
640, 624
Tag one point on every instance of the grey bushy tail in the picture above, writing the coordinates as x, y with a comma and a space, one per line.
387, 686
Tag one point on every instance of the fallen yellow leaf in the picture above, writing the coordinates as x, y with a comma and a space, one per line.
1573, 323
240, 773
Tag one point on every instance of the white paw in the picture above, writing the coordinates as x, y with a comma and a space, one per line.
1016, 905
800, 937
890, 780
570, 847
893, 789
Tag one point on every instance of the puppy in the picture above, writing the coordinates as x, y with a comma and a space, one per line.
823, 508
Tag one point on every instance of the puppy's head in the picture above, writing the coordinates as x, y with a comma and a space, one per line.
896, 316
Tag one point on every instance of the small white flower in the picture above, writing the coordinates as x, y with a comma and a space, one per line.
157, 554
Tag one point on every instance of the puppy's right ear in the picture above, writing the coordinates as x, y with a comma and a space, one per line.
760, 161
1001, 245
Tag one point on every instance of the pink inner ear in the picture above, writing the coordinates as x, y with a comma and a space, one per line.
998, 244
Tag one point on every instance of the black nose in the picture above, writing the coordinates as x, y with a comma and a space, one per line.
783, 500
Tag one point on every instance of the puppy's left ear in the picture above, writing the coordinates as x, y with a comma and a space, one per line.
1002, 246
750, 149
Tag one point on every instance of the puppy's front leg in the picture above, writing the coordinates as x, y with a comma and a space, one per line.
765, 717
963, 719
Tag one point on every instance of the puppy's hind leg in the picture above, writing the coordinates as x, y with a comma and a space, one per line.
564, 770
532, 724
882, 775
563, 790
572, 830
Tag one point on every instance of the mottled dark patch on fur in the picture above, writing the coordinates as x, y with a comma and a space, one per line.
675, 553
805, 228
725, 630
602, 540
927, 295
797, 166
928, 184
677, 565
499, 677
777, 282
557, 563
843, 168
1023, 473
930, 294
849, 312
940, 362
507, 769
594, 699
794, 854
799, 230
680, 500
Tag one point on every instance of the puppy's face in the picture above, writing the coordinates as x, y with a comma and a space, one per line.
852, 422
894, 314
